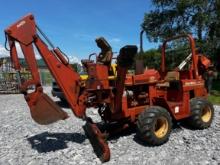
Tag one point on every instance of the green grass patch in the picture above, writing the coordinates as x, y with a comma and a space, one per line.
214, 99
215, 93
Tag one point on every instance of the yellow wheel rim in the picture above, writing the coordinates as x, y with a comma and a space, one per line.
206, 114
161, 127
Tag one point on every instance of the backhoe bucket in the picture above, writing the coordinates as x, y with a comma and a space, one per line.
46, 111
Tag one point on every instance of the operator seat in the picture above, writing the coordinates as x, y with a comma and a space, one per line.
105, 56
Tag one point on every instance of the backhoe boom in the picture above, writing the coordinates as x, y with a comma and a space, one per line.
25, 33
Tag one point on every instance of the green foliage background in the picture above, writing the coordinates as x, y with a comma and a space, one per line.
197, 17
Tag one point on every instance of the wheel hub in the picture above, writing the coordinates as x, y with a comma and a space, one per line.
161, 127
206, 114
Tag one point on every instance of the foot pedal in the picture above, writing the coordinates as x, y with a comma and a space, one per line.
45, 111
98, 141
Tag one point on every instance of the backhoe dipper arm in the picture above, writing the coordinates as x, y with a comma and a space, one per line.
43, 109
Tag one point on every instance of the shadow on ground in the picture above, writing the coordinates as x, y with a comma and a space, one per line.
46, 142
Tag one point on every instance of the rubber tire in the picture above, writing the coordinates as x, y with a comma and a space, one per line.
145, 125
196, 107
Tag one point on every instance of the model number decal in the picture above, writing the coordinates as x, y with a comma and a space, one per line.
192, 83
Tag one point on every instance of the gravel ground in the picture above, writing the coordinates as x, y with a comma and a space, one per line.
24, 142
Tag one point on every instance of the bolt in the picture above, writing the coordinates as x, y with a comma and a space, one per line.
58, 65
35, 37
31, 17
40, 89
8, 31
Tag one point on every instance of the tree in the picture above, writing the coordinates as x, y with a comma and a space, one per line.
198, 17
151, 58
75, 66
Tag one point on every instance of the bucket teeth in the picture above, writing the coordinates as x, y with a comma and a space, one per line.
45, 111
98, 141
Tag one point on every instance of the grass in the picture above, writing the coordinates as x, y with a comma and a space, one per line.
215, 93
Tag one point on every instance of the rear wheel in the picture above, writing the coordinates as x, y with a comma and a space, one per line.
202, 113
154, 125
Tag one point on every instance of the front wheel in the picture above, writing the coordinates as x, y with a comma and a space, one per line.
154, 125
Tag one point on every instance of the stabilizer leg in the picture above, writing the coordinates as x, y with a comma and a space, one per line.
98, 140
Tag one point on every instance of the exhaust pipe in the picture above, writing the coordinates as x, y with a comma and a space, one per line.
139, 63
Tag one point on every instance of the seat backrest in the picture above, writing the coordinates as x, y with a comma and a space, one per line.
105, 56
172, 75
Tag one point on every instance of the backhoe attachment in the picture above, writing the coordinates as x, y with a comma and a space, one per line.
43, 109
